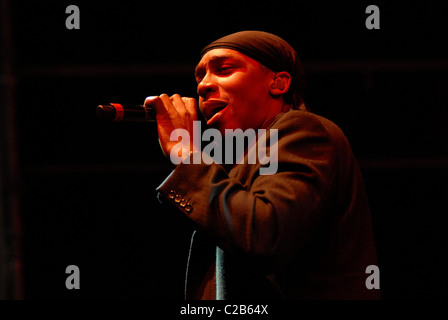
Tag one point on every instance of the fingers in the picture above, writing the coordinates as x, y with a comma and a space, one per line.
162, 106
190, 105
173, 113
178, 104
174, 106
186, 107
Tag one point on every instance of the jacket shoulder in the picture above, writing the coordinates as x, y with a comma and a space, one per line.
297, 121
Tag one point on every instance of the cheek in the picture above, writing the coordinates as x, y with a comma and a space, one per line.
247, 94
250, 99
238, 81
242, 89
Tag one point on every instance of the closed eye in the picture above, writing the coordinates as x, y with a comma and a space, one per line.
225, 69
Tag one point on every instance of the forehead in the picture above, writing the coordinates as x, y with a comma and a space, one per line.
220, 55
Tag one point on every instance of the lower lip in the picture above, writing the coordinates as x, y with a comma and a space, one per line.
216, 117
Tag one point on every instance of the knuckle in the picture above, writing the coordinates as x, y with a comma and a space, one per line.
151, 100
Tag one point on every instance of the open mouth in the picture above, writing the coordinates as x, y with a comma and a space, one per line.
213, 110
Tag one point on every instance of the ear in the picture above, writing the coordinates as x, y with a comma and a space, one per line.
281, 83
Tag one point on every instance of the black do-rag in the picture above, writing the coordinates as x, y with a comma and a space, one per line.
271, 51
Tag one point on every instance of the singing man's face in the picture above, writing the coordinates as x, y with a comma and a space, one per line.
233, 90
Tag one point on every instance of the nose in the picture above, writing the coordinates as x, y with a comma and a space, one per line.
206, 87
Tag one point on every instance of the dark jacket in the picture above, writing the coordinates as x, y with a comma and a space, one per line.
304, 232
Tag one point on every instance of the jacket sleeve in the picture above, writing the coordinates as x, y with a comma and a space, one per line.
270, 217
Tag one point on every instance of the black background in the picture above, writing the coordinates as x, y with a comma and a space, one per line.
88, 188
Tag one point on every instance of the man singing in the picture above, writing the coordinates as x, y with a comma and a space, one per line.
301, 232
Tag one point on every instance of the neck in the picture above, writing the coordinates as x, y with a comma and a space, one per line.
276, 108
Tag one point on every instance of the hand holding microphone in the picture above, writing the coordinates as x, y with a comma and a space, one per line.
174, 113
170, 113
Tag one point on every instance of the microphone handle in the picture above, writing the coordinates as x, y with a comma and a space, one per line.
132, 113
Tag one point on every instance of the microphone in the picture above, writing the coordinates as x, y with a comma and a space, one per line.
118, 113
